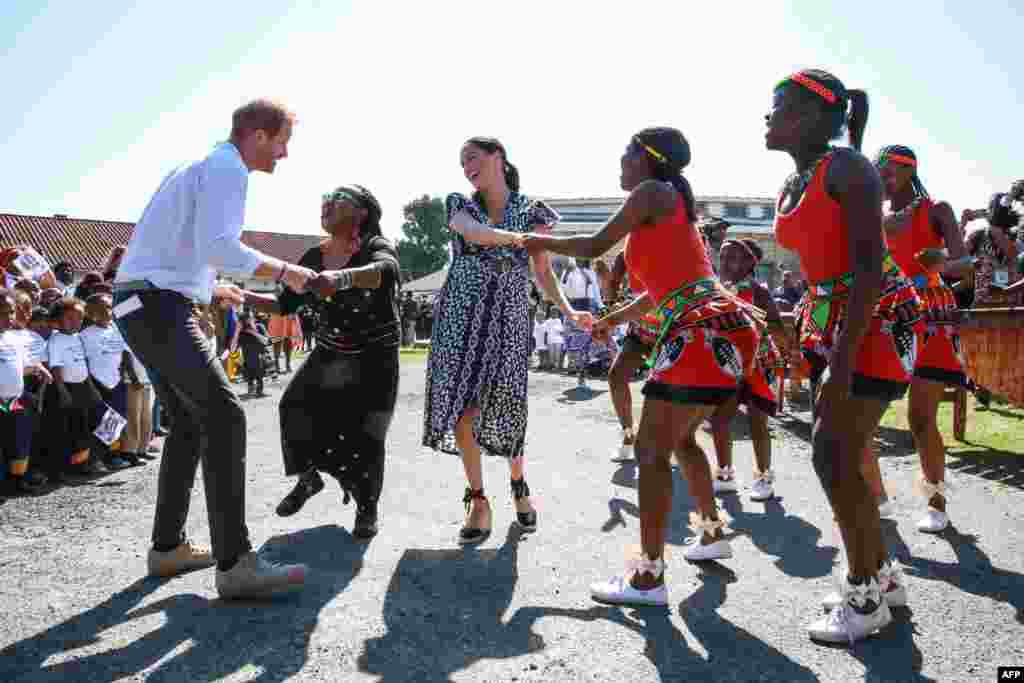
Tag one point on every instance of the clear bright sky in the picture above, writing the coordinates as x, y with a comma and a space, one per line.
103, 98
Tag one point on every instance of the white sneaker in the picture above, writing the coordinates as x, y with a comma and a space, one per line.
624, 453
890, 585
761, 488
934, 521
695, 552
724, 481
845, 624
254, 577
617, 591
886, 508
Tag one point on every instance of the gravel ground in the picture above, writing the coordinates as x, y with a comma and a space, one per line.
413, 606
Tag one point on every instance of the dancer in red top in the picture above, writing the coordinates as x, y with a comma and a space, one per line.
921, 232
703, 350
760, 392
859, 329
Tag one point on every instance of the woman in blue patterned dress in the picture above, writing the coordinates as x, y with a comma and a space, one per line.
479, 350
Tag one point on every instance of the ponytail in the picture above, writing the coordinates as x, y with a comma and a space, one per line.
857, 119
511, 176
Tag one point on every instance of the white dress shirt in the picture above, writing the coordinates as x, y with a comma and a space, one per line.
192, 228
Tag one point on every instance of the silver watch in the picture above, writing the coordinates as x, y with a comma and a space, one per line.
343, 280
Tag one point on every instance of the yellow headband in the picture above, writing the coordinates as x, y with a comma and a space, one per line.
650, 150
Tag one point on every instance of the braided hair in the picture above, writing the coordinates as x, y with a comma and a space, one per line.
364, 199
845, 109
492, 145
670, 152
901, 154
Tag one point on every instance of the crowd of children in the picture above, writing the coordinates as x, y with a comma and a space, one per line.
73, 399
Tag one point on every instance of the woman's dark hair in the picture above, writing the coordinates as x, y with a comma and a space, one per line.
364, 199
670, 155
845, 108
1001, 213
492, 145
886, 156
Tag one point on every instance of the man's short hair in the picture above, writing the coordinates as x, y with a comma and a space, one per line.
262, 114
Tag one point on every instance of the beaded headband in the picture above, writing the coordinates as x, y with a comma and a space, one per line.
811, 85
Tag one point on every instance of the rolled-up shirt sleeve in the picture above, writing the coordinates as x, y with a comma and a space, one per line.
220, 213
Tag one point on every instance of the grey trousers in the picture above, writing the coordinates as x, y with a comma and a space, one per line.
208, 420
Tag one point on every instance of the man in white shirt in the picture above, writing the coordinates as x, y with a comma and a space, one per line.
581, 287
190, 230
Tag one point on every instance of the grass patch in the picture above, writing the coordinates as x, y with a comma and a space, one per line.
1000, 428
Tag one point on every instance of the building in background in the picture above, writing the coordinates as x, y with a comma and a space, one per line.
85, 243
751, 217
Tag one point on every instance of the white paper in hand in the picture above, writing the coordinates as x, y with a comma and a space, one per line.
110, 427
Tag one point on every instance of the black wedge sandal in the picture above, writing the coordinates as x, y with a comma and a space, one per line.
472, 535
527, 520
309, 485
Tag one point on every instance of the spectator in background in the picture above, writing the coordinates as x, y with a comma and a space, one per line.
64, 274
48, 297
17, 420
788, 294
994, 246
540, 344
88, 285
285, 333
581, 286
410, 314
30, 287
106, 356
112, 263
554, 329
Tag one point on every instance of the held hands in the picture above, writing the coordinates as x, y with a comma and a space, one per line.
228, 292
326, 283
297, 277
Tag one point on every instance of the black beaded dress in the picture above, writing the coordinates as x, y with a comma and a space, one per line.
336, 410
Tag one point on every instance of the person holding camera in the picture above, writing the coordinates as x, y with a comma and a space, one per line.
994, 246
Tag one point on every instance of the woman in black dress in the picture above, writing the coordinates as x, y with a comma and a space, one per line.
480, 347
336, 410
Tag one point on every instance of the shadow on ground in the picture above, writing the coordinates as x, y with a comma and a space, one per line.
999, 466
972, 571
198, 639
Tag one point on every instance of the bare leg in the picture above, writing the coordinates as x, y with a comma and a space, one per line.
720, 434
480, 511
623, 370
761, 438
841, 432
663, 426
923, 410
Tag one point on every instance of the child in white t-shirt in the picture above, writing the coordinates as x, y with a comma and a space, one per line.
107, 355
78, 402
555, 328
540, 343
17, 419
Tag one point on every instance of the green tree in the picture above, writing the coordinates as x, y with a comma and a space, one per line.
424, 247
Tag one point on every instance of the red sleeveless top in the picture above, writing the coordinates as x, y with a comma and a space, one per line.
920, 234
816, 230
668, 254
